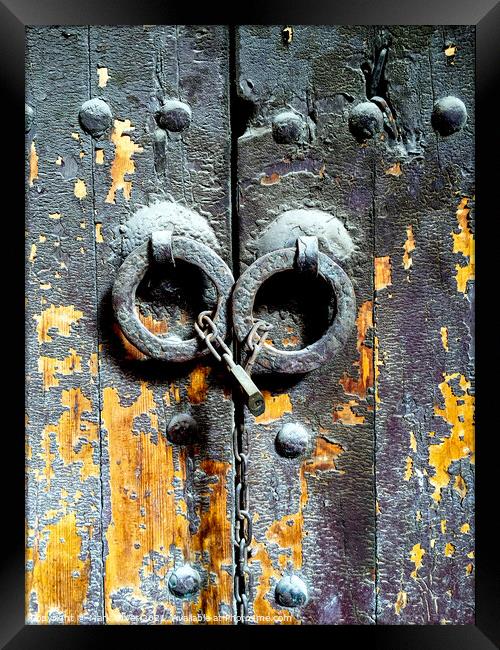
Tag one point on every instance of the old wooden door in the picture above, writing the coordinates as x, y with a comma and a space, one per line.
153, 494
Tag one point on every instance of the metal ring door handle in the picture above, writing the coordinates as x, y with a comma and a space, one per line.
128, 278
271, 359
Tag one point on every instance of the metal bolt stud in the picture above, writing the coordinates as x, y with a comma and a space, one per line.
291, 591
29, 114
449, 115
292, 440
184, 581
182, 429
287, 127
95, 117
366, 120
174, 116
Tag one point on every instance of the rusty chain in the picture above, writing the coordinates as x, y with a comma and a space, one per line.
243, 532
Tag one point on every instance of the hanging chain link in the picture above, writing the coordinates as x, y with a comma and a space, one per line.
243, 533
208, 333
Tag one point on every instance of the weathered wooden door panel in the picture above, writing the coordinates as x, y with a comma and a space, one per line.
359, 476
314, 515
163, 505
64, 496
424, 247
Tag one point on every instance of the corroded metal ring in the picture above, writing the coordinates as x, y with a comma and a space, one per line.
128, 278
271, 359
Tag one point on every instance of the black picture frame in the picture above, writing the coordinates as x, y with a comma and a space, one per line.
14, 16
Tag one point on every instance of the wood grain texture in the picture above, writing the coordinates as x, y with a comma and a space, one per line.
313, 516
424, 331
63, 488
164, 505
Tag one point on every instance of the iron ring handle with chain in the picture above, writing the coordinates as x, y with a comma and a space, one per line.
128, 278
271, 359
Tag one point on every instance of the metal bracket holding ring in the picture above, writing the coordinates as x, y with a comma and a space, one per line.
163, 247
305, 256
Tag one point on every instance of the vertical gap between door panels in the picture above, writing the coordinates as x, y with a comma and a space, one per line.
98, 341
234, 120
374, 361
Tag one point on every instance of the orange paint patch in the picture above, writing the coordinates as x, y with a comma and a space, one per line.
409, 247
197, 389
458, 412
324, 457
383, 272
365, 378
394, 170
444, 337
33, 173
463, 242
276, 407
270, 180
409, 469
291, 341
401, 602
103, 77
59, 318
449, 550
98, 233
73, 432
50, 367
122, 164
80, 190
60, 576
416, 556
149, 511
460, 486
345, 415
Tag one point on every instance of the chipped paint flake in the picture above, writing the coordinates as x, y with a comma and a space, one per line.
98, 233
413, 442
345, 415
449, 550
460, 486
99, 156
272, 179
416, 556
465, 528
359, 386
80, 190
444, 337
50, 367
55, 215
408, 247
33, 174
458, 412
409, 468
59, 318
122, 163
394, 170
383, 273
463, 243
197, 389
276, 407
103, 77
32, 255
401, 602
60, 576
450, 50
